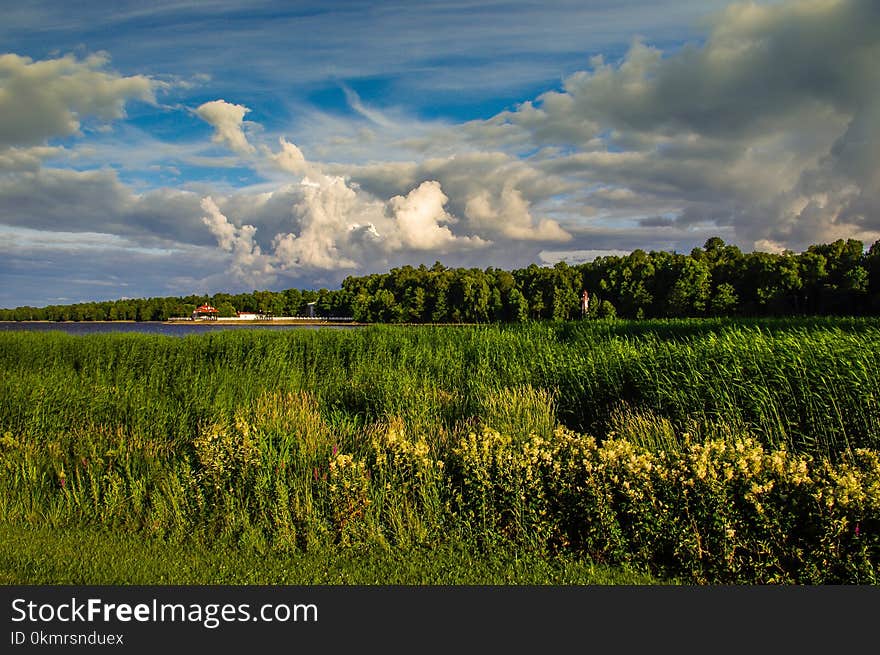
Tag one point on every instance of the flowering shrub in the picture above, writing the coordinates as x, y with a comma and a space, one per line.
721, 511
394, 451
225, 453
711, 509
497, 493
848, 499
349, 497
409, 484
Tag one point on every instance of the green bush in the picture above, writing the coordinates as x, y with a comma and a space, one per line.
723, 511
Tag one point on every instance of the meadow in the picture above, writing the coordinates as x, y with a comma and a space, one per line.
602, 451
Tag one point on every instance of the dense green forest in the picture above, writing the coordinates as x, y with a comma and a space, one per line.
838, 278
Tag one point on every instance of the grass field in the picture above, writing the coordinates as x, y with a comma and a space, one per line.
92, 556
701, 451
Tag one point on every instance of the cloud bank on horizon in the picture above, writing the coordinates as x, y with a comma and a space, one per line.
763, 131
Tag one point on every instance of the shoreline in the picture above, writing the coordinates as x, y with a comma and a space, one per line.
189, 322
258, 322
252, 323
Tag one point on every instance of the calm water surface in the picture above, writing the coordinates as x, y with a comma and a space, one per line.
153, 327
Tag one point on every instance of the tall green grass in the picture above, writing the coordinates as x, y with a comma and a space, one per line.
404, 438
811, 386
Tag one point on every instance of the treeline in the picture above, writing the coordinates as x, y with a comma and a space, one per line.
837, 278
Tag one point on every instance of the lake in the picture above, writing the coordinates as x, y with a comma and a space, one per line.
153, 327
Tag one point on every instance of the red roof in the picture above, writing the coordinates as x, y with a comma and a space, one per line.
207, 309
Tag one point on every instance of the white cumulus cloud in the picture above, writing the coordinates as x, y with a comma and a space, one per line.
227, 119
420, 217
49, 98
248, 261
509, 214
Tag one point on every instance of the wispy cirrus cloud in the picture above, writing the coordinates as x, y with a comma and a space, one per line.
435, 48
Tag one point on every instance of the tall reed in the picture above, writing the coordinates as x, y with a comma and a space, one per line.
399, 437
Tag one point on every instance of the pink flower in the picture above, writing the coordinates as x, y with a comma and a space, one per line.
857, 529
335, 450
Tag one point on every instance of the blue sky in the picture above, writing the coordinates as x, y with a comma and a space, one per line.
177, 147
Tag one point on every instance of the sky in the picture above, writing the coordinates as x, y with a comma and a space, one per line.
178, 146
